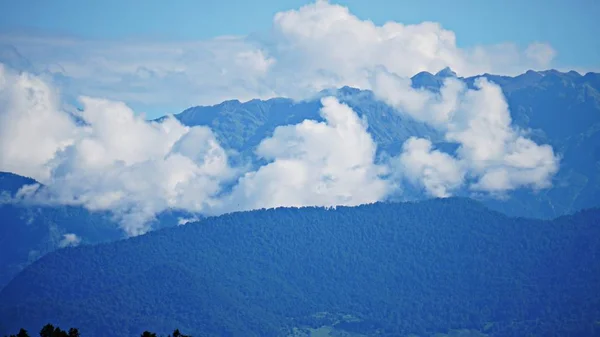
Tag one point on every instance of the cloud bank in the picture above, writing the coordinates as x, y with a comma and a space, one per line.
106, 157
112, 160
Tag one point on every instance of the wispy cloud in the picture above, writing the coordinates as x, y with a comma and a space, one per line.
318, 46
69, 240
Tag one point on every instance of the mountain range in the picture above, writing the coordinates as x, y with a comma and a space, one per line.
559, 109
191, 272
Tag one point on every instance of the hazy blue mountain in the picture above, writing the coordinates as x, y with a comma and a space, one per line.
29, 231
241, 126
11, 183
562, 109
384, 269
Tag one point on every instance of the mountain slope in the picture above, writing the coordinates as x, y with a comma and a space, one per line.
396, 268
29, 231
11, 183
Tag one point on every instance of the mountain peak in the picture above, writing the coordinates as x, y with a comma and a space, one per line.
446, 72
347, 90
532, 72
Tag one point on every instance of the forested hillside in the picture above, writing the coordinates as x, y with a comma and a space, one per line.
384, 269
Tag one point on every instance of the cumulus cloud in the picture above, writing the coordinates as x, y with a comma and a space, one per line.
438, 172
315, 163
113, 160
324, 45
32, 128
491, 150
69, 240
185, 221
317, 46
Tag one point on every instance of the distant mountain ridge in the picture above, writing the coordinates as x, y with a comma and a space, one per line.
560, 109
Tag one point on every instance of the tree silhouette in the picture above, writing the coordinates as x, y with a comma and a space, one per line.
47, 331
148, 334
177, 333
22, 333
50, 330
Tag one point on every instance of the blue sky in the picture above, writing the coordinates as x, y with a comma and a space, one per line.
161, 57
570, 26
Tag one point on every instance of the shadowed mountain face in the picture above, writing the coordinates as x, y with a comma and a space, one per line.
396, 269
560, 109
29, 231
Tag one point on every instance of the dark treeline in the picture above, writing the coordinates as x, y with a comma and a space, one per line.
50, 330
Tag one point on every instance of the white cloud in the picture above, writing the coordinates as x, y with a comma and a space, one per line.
491, 150
176, 74
69, 240
116, 161
185, 221
32, 129
315, 163
438, 172
318, 46
322, 45
540, 53
491, 145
